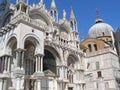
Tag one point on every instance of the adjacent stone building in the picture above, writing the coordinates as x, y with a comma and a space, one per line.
101, 59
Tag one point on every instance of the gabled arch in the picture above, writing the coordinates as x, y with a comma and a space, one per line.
44, 16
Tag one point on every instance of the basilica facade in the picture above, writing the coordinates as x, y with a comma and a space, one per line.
39, 51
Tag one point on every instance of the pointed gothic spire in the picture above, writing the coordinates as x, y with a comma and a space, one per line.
4, 4
73, 21
53, 5
53, 11
72, 16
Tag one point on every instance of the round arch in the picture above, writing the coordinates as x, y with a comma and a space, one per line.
11, 44
6, 17
51, 59
45, 16
72, 60
33, 39
55, 53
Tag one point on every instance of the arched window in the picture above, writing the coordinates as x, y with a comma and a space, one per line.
103, 33
71, 24
29, 64
29, 61
95, 47
51, 13
49, 62
89, 47
71, 65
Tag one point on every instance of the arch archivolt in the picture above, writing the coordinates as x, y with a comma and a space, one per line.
42, 16
33, 39
55, 51
9, 44
73, 55
74, 58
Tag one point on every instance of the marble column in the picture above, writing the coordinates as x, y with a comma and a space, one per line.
18, 84
5, 61
81, 87
19, 72
39, 63
4, 84
38, 84
38, 75
9, 63
36, 63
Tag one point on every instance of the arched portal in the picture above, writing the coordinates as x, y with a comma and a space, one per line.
51, 59
30, 46
72, 62
11, 46
29, 61
49, 62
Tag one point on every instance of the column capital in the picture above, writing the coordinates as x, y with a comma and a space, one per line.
5, 75
7, 55
38, 75
19, 73
39, 54
20, 50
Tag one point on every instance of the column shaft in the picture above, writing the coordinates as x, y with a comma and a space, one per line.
36, 64
20, 57
38, 84
39, 63
5, 66
42, 64
81, 87
18, 84
8, 65
4, 84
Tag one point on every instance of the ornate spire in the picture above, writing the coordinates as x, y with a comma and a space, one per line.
73, 22
72, 16
4, 4
53, 11
53, 5
22, 6
41, 1
98, 19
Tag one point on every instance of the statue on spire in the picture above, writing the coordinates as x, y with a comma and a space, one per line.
64, 14
41, 1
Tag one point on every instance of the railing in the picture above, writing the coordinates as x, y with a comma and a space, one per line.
62, 43
88, 54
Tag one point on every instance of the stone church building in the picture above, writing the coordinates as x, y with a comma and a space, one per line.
39, 51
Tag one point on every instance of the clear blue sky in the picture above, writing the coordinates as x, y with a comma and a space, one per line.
85, 11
